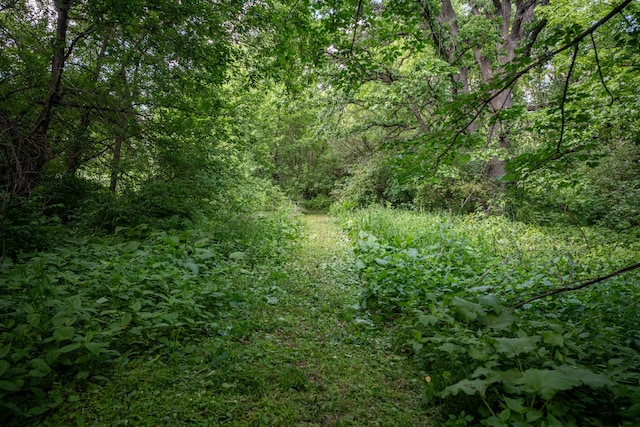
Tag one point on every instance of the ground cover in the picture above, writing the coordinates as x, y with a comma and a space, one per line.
285, 345
456, 288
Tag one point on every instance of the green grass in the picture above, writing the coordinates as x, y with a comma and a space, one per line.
297, 352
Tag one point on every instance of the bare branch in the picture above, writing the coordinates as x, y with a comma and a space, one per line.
595, 51
416, 113
563, 118
581, 286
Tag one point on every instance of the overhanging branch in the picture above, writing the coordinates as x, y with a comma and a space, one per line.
580, 286
508, 81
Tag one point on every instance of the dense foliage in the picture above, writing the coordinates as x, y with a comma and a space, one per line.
150, 152
527, 108
450, 285
75, 312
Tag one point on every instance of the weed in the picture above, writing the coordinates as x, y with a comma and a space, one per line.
447, 283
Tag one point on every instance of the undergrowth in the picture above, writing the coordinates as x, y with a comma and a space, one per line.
73, 313
449, 285
295, 351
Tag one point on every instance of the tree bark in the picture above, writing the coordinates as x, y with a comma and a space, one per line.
31, 152
512, 32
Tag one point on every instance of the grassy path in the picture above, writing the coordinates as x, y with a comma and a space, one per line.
296, 354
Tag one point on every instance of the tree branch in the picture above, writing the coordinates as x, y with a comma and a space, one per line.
563, 102
355, 24
595, 52
581, 286
506, 82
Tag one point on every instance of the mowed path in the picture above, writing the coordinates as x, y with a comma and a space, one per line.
298, 353
330, 365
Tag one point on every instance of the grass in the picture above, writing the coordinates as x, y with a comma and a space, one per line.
298, 352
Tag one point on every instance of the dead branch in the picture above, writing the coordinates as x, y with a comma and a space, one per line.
580, 286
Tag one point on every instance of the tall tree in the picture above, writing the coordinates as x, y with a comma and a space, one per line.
107, 63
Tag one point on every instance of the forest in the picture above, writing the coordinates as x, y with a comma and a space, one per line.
320, 212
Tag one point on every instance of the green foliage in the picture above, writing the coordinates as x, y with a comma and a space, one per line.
293, 355
448, 282
74, 312
375, 182
604, 190
288, 141
76, 320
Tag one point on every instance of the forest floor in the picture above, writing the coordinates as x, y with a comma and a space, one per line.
298, 353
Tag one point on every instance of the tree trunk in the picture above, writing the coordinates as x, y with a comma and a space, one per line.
74, 157
32, 151
122, 135
512, 32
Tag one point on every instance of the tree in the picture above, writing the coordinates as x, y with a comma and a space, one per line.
113, 66
405, 51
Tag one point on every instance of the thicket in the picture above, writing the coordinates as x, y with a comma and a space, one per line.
452, 285
149, 134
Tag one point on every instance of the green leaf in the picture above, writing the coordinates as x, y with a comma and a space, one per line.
8, 385
494, 422
4, 367
553, 338
469, 310
490, 301
586, 376
467, 386
533, 416
237, 255
68, 348
173, 241
126, 319
5, 350
515, 346
553, 421
516, 405
62, 333
34, 319
501, 322
82, 375
131, 246
478, 353
37, 410
94, 347
546, 382
505, 415
448, 347
193, 267
40, 365
427, 319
